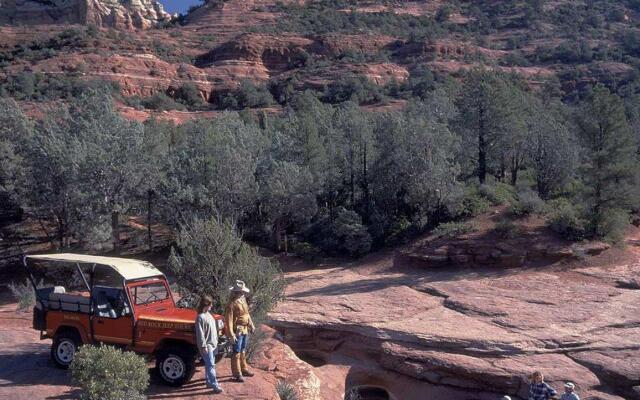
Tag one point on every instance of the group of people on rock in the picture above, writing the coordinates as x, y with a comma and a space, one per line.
541, 390
238, 325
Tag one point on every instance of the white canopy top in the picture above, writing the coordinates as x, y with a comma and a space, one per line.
129, 269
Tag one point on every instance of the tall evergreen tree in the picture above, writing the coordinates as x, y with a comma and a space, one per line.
487, 116
610, 167
552, 149
15, 132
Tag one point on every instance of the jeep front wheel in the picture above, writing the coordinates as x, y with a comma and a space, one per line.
175, 366
64, 347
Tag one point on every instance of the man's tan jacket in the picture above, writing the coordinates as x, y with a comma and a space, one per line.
237, 320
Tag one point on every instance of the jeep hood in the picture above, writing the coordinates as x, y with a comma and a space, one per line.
169, 314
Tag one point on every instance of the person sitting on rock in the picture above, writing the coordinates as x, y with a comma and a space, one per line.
569, 392
539, 389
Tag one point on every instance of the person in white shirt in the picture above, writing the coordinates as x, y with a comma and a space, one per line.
207, 341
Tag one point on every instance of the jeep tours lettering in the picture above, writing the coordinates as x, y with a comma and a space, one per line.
165, 325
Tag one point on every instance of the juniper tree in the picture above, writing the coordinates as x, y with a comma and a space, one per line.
552, 150
415, 173
211, 169
286, 199
85, 164
210, 256
15, 132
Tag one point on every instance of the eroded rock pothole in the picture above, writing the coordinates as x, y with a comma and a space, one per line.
368, 393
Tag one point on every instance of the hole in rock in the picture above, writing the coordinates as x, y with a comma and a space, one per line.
311, 358
631, 285
368, 393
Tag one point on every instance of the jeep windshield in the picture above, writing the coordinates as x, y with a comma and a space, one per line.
149, 293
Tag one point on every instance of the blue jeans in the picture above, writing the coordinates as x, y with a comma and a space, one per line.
210, 369
241, 343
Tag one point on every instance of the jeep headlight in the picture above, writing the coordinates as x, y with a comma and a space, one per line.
220, 324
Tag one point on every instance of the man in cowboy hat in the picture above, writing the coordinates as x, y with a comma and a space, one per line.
569, 392
238, 324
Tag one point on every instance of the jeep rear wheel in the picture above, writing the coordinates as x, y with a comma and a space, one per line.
175, 366
64, 347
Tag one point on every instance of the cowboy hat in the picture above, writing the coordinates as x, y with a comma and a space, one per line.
239, 287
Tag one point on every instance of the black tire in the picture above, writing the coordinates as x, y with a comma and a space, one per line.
65, 345
175, 365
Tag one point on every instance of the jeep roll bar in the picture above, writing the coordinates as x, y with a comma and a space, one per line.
33, 281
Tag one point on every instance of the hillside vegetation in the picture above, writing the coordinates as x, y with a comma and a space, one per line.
372, 121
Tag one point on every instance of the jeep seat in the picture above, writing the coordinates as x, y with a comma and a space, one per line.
110, 302
43, 295
69, 302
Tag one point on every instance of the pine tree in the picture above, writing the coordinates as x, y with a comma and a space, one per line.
610, 169
488, 115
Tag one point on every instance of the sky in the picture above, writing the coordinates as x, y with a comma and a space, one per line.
172, 6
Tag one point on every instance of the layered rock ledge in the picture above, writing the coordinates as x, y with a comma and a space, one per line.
468, 333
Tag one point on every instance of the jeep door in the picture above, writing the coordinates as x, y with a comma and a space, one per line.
112, 320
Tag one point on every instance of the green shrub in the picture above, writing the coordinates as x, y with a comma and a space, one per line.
107, 373
506, 229
210, 256
444, 12
161, 102
286, 391
24, 293
399, 231
473, 202
527, 202
356, 88
612, 224
248, 95
498, 193
306, 251
322, 16
454, 229
189, 95
567, 220
341, 232
134, 101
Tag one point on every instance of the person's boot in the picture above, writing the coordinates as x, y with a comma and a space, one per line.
235, 367
244, 366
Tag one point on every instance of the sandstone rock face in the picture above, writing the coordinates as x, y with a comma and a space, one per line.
119, 14
472, 333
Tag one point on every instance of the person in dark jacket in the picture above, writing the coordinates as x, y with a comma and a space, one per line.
539, 389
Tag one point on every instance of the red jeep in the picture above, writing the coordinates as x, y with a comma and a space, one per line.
127, 303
